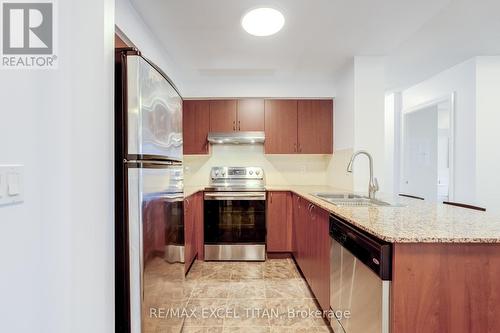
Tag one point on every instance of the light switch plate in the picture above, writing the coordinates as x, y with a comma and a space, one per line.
11, 184
2, 186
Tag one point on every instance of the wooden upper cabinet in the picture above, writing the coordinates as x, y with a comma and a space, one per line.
291, 126
195, 123
250, 114
223, 115
315, 126
280, 126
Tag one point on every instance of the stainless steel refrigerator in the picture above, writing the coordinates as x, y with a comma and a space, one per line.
149, 180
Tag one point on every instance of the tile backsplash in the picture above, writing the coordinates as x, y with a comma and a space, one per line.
279, 169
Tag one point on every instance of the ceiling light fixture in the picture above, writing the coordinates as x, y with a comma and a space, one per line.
263, 22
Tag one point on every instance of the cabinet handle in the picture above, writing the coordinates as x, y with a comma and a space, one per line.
295, 147
271, 197
234, 125
300, 148
239, 125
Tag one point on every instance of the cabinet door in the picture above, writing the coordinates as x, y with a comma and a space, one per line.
223, 116
199, 222
250, 115
315, 126
299, 231
321, 257
295, 226
304, 239
195, 122
278, 222
280, 126
189, 233
309, 231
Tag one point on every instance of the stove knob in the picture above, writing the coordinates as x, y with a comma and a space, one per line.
257, 172
223, 173
251, 172
217, 173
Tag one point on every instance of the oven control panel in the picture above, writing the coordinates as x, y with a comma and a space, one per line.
237, 172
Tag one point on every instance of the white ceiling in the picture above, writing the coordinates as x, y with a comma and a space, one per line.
462, 30
213, 53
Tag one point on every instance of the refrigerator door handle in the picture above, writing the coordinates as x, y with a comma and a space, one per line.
151, 163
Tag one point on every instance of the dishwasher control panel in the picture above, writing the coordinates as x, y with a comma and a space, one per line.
375, 253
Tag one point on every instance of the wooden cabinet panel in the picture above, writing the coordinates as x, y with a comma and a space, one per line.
199, 224
303, 238
295, 226
278, 222
311, 247
195, 124
223, 115
291, 126
445, 288
315, 126
193, 228
298, 233
189, 232
250, 115
280, 126
321, 256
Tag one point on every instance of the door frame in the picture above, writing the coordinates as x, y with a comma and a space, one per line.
446, 98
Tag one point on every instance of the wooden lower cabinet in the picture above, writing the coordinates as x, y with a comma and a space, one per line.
193, 228
320, 256
298, 233
451, 287
311, 247
199, 224
279, 221
189, 232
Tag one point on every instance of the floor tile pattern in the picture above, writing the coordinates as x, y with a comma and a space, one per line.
224, 297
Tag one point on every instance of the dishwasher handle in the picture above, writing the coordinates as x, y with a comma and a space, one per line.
375, 253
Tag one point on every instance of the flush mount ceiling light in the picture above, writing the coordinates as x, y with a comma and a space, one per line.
263, 22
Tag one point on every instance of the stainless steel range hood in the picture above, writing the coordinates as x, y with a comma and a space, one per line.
236, 138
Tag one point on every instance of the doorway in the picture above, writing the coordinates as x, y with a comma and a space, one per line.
427, 150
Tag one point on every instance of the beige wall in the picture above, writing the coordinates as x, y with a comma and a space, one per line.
279, 169
337, 175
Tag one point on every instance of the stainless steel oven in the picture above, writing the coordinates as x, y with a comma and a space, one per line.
235, 216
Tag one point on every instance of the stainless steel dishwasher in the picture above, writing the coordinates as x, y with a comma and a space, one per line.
360, 280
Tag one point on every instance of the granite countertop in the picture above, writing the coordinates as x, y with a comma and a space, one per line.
416, 222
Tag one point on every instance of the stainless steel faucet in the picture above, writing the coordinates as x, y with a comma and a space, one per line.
373, 185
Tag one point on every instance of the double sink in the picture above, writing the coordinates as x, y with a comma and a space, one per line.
351, 200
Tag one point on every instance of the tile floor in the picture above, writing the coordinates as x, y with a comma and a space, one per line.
220, 297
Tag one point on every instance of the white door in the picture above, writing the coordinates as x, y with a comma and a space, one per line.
420, 153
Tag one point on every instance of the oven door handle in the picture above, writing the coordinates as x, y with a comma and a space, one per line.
235, 196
